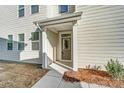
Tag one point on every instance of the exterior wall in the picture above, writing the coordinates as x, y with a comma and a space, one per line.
52, 40
10, 23
52, 11
100, 34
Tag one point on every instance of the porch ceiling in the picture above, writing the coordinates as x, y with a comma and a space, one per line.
61, 27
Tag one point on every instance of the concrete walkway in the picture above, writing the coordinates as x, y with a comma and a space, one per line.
53, 79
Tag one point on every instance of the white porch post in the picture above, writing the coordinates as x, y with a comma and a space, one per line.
43, 48
75, 53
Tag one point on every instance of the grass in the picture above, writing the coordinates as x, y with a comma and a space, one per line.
14, 75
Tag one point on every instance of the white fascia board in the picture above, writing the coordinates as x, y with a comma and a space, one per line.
60, 19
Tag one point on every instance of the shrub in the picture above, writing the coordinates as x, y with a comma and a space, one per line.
115, 69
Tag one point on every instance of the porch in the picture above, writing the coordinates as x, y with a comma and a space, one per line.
59, 44
58, 40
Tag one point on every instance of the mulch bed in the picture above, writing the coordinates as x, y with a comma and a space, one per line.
93, 76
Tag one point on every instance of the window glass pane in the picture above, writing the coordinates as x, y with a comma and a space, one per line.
10, 46
35, 40
21, 13
63, 8
21, 6
20, 46
66, 43
10, 38
10, 42
34, 9
32, 36
21, 42
66, 35
35, 36
35, 45
21, 37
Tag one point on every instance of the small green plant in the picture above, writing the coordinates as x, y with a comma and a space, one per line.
96, 67
93, 67
115, 69
88, 67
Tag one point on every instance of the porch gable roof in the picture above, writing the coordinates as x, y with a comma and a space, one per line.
60, 19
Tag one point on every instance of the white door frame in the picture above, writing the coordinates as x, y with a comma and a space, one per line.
60, 46
75, 47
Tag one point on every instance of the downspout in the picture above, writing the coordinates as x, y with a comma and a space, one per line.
38, 26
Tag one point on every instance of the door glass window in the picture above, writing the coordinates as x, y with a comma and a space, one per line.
66, 44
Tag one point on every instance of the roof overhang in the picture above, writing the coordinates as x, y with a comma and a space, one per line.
71, 17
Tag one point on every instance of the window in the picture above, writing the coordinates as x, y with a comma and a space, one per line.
21, 43
21, 11
66, 41
63, 8
34, 9
10, 42
35, 40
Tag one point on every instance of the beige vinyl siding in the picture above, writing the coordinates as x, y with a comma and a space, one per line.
52, 11
100, 34
52, 40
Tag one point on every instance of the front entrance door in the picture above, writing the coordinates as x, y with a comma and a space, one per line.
66, 46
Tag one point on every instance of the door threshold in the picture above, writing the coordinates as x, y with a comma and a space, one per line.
65, 66
66, 60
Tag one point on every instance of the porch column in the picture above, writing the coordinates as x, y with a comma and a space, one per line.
43, 48
75, 53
